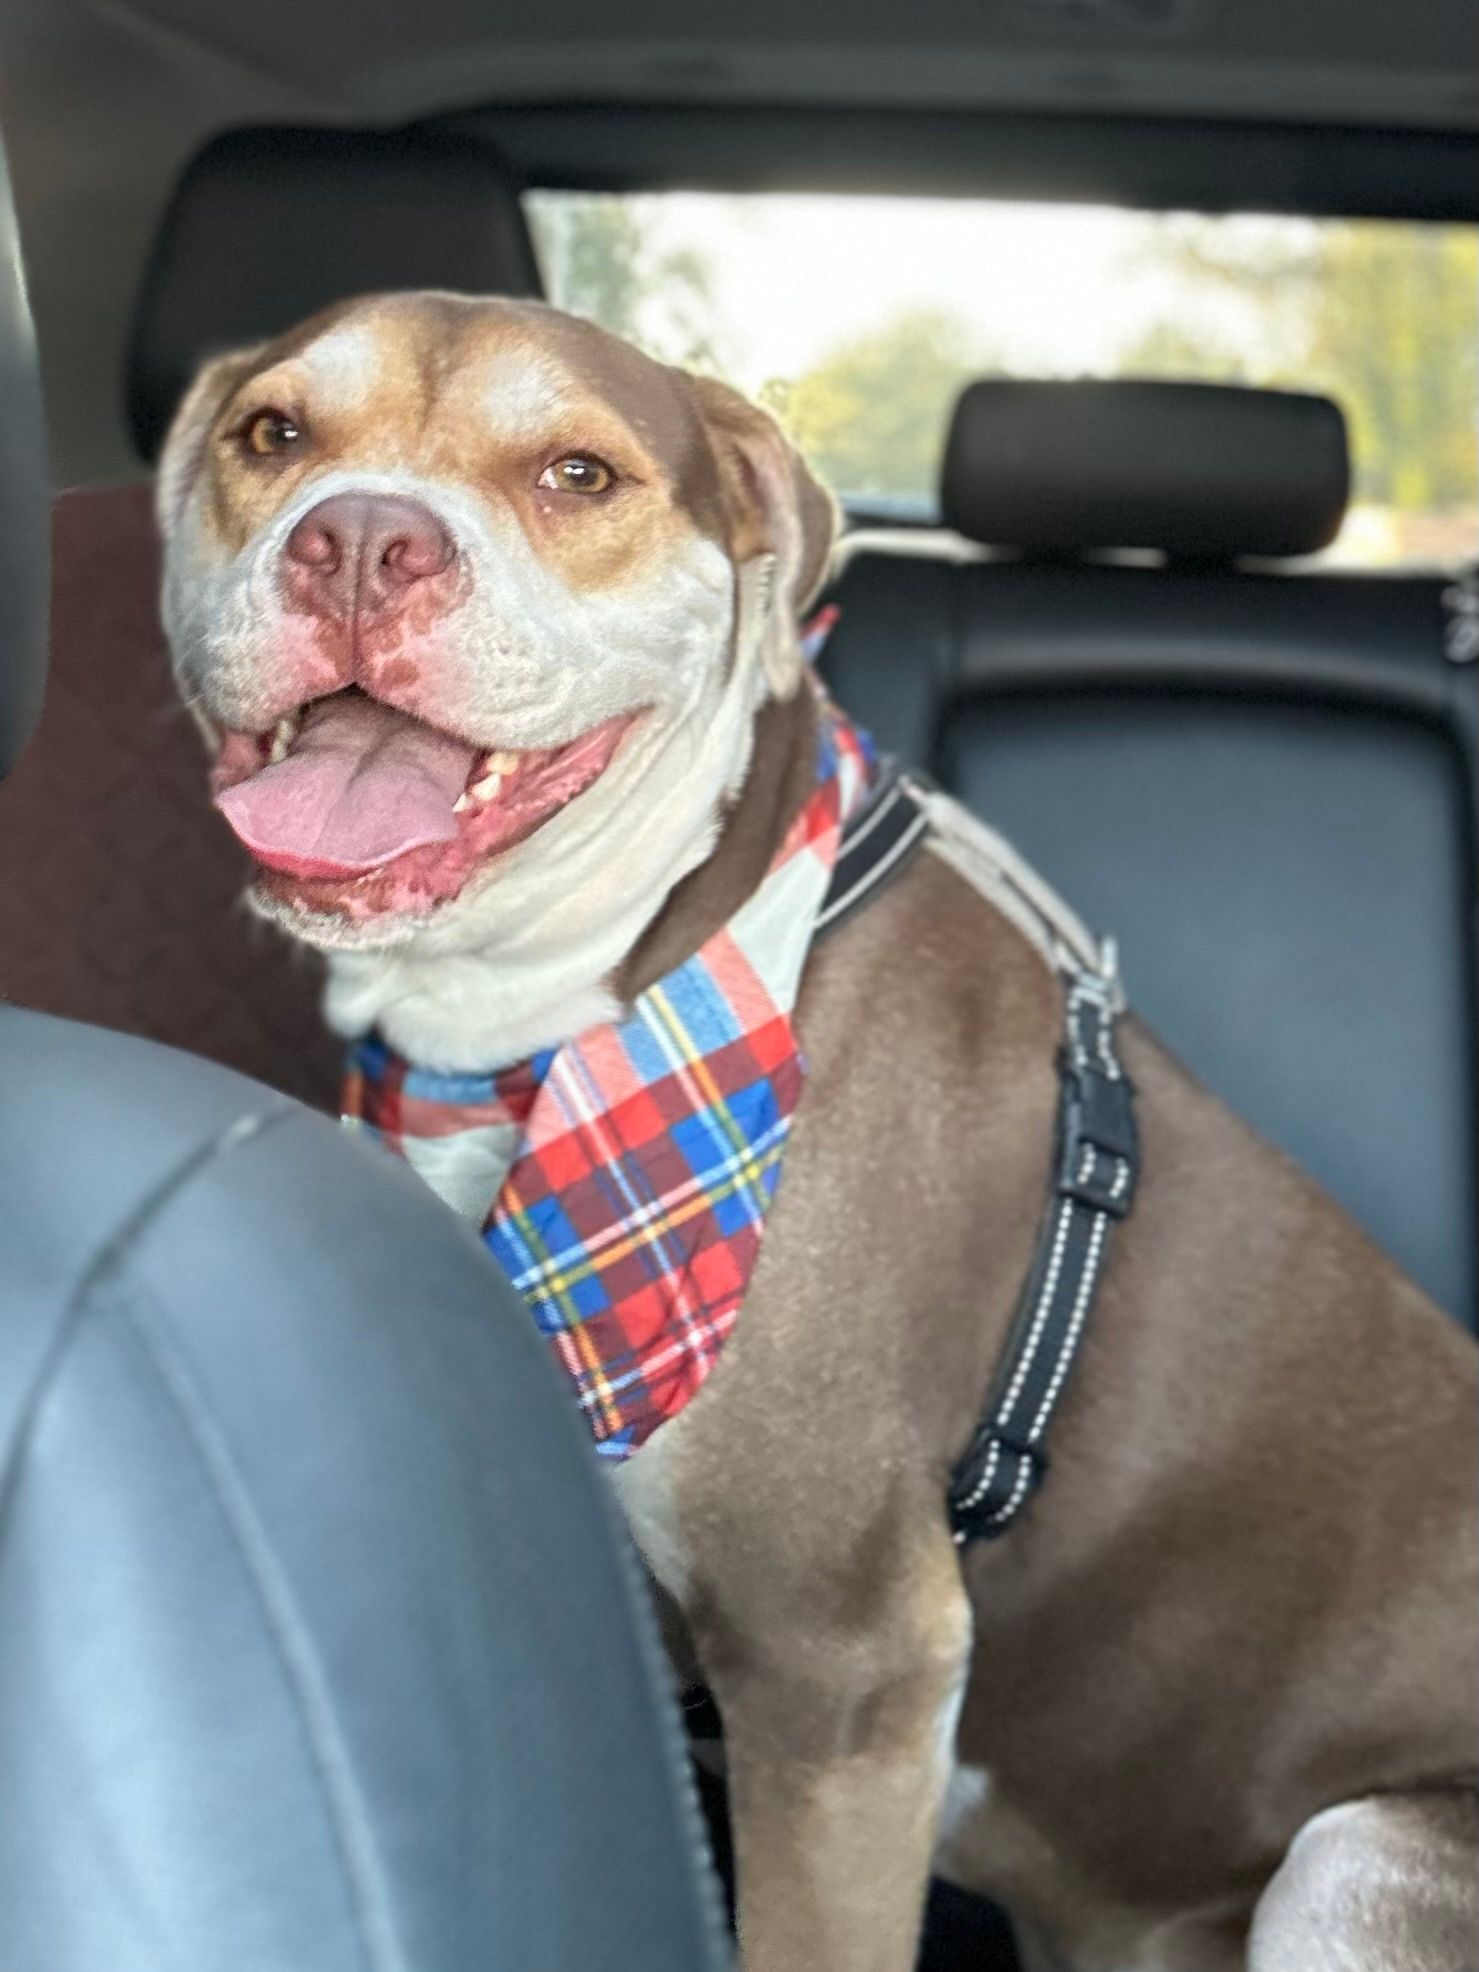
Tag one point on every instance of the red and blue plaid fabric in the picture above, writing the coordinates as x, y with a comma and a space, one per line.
622, 1179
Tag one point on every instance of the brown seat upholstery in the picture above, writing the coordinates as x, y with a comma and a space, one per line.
120, 887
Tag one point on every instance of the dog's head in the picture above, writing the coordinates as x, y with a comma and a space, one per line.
476, 605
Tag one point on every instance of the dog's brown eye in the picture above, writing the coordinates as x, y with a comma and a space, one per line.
269, 432
578, 474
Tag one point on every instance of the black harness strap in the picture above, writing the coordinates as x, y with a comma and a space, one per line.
1096, 1166
878, 843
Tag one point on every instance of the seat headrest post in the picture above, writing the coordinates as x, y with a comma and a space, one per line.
25, 492
269, 226
1206, 473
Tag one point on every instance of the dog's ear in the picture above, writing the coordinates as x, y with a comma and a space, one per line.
782, 523
184, 444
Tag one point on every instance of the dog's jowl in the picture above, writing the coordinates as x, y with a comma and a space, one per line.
490, 625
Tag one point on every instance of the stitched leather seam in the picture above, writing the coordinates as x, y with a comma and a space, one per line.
109, 1255
328, 1759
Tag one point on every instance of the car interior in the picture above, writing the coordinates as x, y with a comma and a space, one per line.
1110, 627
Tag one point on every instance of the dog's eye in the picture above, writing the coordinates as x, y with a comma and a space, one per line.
580, 473
270, 431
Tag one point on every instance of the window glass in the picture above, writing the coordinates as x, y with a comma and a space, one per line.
857, 320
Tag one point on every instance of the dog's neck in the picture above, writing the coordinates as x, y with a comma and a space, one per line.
470, 1010
782, 772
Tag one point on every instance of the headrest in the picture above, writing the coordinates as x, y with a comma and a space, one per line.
269, 226
25, 501
1203, 472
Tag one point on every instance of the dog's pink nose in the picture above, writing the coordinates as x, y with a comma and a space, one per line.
366, 550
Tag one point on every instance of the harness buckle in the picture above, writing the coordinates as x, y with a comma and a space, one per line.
1100, 1153
1097, 1167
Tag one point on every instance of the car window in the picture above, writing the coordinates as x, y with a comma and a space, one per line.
858, 319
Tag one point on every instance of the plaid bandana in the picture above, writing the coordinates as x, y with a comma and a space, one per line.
622, 1179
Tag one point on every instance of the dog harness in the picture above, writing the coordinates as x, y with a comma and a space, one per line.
1096, 1158
622, 1179
1096, 1164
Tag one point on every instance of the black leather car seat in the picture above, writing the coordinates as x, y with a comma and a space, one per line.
266, 227
1260, 778
269, 226
319, 1645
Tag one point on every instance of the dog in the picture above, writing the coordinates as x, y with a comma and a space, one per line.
516, 605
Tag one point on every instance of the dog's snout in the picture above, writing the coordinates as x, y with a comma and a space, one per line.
368, 549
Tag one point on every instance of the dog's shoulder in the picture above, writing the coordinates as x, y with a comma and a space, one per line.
937, 975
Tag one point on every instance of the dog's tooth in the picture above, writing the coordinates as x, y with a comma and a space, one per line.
490, 771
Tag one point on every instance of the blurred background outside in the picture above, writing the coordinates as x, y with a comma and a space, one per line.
858, 320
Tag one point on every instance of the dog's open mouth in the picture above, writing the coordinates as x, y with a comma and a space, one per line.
353, 806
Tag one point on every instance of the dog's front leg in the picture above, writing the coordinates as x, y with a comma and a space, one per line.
839, 1727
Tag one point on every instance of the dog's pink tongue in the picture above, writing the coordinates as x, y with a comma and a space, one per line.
363, 783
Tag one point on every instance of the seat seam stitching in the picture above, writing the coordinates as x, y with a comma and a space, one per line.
114, 1252
327, 1760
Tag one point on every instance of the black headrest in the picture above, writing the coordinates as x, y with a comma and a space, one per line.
1203, 472
25, 495
269, 226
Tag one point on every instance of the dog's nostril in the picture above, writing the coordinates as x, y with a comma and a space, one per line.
416, 554
313, 545
374, 545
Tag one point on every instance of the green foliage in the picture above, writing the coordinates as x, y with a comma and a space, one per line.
1173, 350
1383, 318
871, 418
1394, 335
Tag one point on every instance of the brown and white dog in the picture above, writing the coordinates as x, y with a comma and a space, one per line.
1213, 1703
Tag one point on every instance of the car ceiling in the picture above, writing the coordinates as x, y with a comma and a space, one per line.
103, 101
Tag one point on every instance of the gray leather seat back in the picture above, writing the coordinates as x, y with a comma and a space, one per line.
319, 1644
1263, 783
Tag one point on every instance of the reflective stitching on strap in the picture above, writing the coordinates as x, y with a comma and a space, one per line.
1044, 1306
876, 873
872, 814
1075, 1327
876, 845
1097, 1165
1097, 1151
1015, 1499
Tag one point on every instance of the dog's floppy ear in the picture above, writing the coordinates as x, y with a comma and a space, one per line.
184, 444
782, 523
